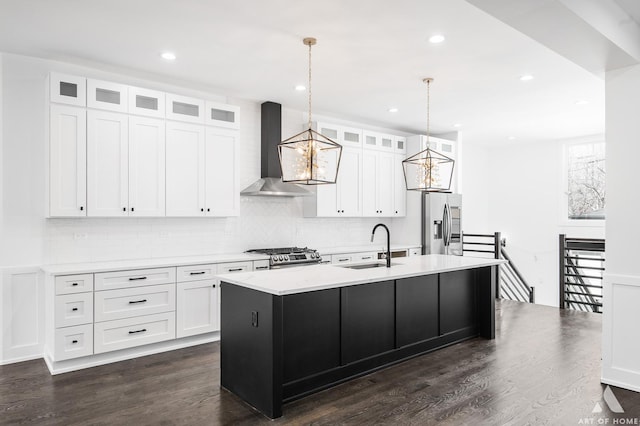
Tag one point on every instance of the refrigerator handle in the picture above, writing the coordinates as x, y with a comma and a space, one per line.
445, 226
449, 224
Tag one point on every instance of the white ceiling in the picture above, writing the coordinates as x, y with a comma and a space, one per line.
371, 55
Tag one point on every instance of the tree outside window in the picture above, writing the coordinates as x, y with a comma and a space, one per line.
586, 181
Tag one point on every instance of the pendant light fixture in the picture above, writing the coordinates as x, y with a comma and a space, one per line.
309, 158
428, 170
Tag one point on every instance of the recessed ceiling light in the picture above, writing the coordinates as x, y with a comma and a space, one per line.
394, 109
437, 38
300, 88
526, 77
581, 102
511, 138
457, 125
169, 56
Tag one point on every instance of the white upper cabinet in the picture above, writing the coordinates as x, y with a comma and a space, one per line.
400, 187
67, 161
350, 137
150, 103
345, 136
377, 183
107, 164
185, 169
106, 95
146, 167
400, 144
343, 199
378, 141
222, 115
182, 108
221, 181
68, 89
349, 183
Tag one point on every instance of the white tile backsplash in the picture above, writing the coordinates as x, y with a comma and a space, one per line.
263, 222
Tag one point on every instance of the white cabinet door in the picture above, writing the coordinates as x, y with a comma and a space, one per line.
221, 183
146, 167
377, 183
222, 115
67, 161
349, 183
107, 95
350, 137
197, 307
107, 164
369, 182
384, 185
400, 190
185, 169
68, 89
327, 199
146, 102
182, 108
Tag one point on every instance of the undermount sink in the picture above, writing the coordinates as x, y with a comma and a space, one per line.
366, 265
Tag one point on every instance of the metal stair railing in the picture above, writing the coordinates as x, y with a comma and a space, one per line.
581, 273
511, 283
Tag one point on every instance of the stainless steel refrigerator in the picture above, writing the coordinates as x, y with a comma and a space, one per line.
441, 223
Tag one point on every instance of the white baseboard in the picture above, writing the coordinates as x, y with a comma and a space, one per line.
125, 354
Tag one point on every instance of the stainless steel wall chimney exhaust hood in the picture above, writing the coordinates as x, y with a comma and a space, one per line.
270, 184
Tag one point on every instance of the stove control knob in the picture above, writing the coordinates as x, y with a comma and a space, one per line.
281, 257
286, 257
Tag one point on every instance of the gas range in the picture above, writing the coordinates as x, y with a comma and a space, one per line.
289, 256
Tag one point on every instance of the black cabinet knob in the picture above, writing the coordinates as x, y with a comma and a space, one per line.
132, 209
81, 208
201, 210
124, 209
208, 210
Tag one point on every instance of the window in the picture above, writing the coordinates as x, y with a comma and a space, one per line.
585, 181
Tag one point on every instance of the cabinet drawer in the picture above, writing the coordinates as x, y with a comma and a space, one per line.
73, 342
73, 309
68, 284
133, 302
134, 278
130, 332
195, 272
225, 268
415, 251
341, 258
260, 265
364, 257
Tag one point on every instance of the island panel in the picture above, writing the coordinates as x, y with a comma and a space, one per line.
311, 333
417, 317
457, 301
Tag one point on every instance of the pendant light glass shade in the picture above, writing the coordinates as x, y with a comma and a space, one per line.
309, 158
428, 170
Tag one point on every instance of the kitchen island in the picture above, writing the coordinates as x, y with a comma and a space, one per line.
288, 333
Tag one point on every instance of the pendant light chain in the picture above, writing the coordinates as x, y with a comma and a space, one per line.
428, 80
310, 44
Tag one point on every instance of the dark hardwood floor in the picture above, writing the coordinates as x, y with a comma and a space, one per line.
543, 368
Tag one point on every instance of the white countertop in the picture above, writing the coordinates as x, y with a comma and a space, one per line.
320, 277
119, 265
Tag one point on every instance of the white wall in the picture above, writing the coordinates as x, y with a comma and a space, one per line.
517, 190
31, 239
621, 313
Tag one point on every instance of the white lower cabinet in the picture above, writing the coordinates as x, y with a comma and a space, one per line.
73, 342
95, 313
197, 307
132, 302
129, 332
74, 309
